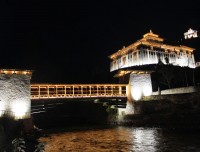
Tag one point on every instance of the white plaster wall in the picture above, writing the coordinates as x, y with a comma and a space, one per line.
121, 113
15, 94
139, 83
140, 79
145, 59
129, 108
177, 90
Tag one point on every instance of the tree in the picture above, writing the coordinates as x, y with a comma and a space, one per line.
19, 145
166, 75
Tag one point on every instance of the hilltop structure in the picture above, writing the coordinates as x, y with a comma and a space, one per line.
134, 61
150, 50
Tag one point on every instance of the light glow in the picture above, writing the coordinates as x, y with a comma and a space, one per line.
19, 109
121, 113
140, 85
145, 139
147, 90
136, 93
2, 108
1, 113
15, 93
129, 108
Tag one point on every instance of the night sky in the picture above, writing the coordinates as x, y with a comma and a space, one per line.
69, 41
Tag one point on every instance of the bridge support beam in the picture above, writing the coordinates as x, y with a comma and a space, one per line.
139, 85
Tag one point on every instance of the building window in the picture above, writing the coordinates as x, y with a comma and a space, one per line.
129, 56
124, 60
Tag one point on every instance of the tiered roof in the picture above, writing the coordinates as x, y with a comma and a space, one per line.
152, 40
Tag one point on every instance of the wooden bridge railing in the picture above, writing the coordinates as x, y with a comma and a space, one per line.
39, 91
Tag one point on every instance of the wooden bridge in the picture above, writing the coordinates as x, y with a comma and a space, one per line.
45, 91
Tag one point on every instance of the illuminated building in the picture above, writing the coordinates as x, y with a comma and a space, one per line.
150, 50
15, 98
190, 34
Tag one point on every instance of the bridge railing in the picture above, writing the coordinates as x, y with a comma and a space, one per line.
77, 90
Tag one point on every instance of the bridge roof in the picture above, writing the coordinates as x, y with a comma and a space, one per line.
61, 85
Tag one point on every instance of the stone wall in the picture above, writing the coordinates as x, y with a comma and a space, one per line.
15, 95
177, 111
182, 90
139, 85
167, 103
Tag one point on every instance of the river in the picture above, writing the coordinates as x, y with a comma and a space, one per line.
120, 139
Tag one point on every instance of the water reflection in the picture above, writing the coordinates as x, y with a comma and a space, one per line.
121, 139
145, 140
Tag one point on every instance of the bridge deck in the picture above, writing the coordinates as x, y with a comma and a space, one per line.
39, 91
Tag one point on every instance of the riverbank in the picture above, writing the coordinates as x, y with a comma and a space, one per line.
14, 136
180, 111
170, 112
186, 120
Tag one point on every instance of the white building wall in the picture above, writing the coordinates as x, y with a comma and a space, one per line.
140, 85
182, 90
145, 57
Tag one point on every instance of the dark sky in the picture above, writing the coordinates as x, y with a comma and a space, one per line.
69, 41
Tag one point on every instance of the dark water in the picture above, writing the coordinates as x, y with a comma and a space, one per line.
122, 139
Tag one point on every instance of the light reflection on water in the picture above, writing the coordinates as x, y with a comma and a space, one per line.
122, 139
145, 140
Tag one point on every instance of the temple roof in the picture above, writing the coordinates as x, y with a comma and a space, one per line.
152, 36
152, 40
